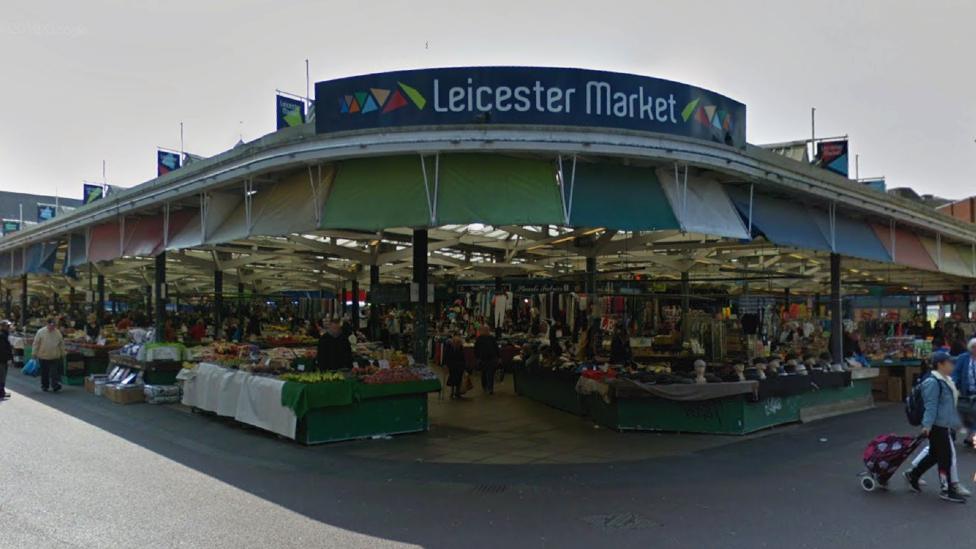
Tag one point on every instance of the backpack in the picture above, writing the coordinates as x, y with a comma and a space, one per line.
915, 403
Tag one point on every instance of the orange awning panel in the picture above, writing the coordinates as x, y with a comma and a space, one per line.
908, 250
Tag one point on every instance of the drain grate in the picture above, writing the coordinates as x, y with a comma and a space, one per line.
487, 489
620, 521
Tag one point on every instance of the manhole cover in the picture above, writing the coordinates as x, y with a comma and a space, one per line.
489, 489
620, 521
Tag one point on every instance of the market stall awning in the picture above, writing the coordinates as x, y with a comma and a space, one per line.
40, 258
966, 253
783, 222
618, 197
701, 206
852, 237
946, 257
373, 194
226, 218
77, 253
6, 263
496, 190
905, 247
104, 242
288, 206
143, 236
185, 233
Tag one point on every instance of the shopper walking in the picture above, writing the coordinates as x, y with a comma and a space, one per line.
964, 376
48, 349
487, 354
6, 357
455, 362
940, 395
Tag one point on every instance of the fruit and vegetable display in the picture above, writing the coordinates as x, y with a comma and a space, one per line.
313, 377
391, 375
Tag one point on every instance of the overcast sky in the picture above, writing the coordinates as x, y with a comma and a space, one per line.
112, 79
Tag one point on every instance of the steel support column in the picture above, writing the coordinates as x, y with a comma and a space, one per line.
159, 291
354, 308
218, 303
836, 322
685, 304
24, 315
374, 309
420, 312
591, 275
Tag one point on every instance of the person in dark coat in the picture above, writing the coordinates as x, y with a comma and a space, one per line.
620, 347
487, 354
334, 351
6, 357
454, 360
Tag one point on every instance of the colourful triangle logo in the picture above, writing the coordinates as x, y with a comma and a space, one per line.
414, 95
370, 104
343, 105
380, 94
354, 106
689, 109
396, 101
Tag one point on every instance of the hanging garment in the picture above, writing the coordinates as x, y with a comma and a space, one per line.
501, 305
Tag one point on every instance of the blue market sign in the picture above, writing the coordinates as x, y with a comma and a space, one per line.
290, 111
527, 96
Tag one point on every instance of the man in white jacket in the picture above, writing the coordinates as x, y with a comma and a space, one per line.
48, 349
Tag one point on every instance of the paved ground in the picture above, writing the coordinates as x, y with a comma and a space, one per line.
82, 472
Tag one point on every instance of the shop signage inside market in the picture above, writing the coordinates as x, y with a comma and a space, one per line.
531, 96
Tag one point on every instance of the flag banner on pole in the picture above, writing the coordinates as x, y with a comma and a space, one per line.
46, 212
10, 226
290, 111
166, 162
92, 193
832, 155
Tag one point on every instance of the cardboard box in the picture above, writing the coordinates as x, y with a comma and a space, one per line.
92, 380
895, 390
124, 394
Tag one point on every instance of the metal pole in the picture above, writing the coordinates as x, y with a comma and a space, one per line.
420, 278
374, 310
836, 324
685, 305
591, 275
813, 133
218, 303
100, 303
354, 309
24, 317
149, 303
965, 302
159, 290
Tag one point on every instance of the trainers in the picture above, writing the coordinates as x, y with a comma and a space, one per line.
961, 490
951, 496
912, 482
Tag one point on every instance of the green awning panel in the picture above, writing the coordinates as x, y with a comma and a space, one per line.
497, 190
617, 197
946, 257
968, 258
378, 193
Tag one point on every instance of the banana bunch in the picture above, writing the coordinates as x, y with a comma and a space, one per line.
312, 377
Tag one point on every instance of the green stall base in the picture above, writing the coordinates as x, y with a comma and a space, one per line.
366, 418
723, 416
96, 364
557, 392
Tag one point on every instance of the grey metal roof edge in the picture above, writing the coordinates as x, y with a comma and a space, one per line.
301, 146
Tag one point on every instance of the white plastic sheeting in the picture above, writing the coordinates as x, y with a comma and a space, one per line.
705, 208
284, 207
946, 257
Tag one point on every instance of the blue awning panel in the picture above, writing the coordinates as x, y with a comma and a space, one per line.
77, 251
40, 258
6, 264
853, 238
783, 222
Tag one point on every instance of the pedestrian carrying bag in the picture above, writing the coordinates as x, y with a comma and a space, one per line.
31, 368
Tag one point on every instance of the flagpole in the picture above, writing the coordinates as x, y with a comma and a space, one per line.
181, 143
308, 100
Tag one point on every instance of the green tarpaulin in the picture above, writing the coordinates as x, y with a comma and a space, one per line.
497, 190
378, 193
302, 397
617, 197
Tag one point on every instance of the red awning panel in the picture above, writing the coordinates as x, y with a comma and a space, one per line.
104, 242
143, 236
906, 249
